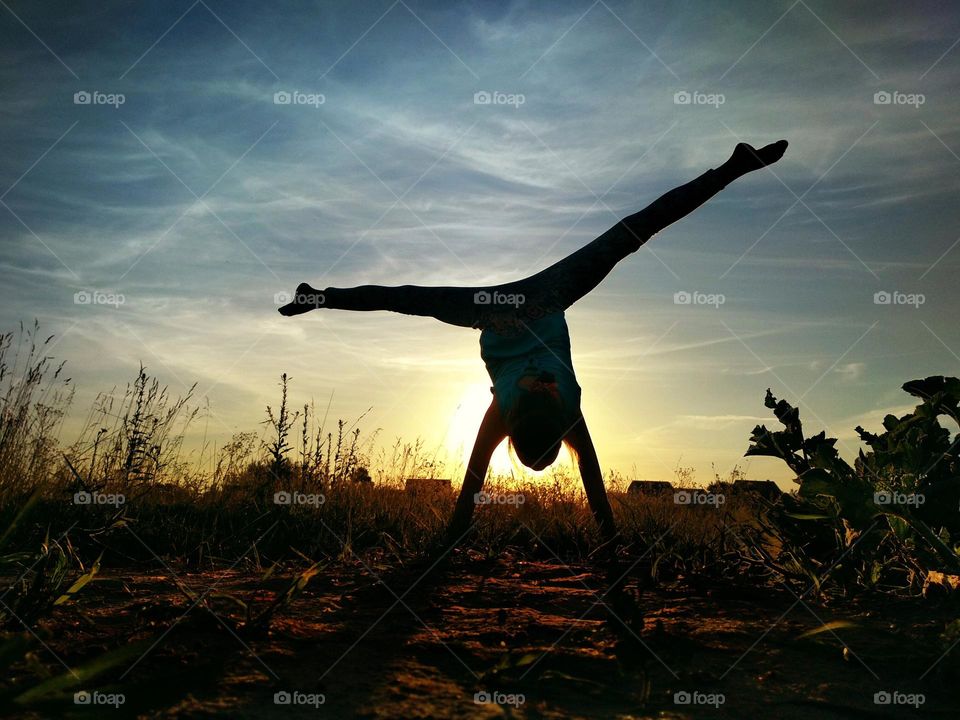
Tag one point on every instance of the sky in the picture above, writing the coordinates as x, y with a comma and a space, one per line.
157, 195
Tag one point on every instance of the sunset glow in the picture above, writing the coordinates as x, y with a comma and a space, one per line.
463, 429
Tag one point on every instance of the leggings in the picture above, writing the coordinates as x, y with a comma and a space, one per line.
507, 308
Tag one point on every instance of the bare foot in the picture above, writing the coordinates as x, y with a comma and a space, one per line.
746, 158
304, 300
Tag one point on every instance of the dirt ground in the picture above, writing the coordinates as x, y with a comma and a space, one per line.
534, 633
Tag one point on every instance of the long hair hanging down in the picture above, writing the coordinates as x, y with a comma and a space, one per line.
537, 427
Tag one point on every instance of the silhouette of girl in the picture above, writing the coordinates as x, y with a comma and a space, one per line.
524, 341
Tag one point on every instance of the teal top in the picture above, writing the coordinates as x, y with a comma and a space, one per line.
543, 346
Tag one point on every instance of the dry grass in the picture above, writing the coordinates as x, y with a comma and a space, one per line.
132, 446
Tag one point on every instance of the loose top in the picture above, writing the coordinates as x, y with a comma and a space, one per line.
543, 346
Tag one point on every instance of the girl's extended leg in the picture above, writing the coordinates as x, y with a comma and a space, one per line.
566, 281
453, 305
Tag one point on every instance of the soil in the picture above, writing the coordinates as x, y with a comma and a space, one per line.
375, 641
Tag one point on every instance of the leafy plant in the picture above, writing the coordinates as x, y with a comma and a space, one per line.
255, 615
38, 575
890, 504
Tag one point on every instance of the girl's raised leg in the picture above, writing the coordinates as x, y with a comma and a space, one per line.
565, 282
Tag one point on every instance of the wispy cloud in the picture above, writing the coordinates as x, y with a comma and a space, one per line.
399, 177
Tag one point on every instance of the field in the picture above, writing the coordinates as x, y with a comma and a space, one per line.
476, 629
300, 577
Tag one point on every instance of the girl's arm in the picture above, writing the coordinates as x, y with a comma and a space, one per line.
491, 433
579, 439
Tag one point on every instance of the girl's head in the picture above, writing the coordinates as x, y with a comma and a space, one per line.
536, 423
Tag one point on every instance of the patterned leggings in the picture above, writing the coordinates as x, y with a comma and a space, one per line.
549, 291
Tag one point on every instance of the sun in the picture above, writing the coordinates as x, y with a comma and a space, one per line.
464, 424
462, 431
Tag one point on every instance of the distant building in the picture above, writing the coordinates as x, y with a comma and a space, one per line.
649, 487
765, 488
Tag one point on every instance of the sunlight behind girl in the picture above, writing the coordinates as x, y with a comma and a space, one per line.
463, 430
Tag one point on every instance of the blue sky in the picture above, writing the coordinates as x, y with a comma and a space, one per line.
198, 199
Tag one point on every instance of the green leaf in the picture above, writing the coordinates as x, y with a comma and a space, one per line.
853, 496
827, 627
80, 583
808, 516
527, 659
84, 673
941, 393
